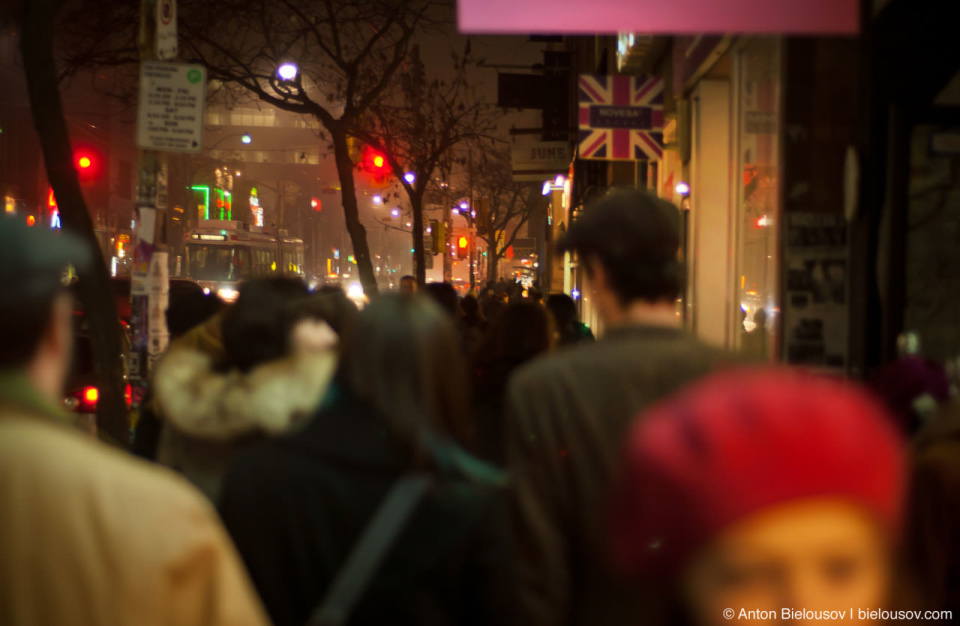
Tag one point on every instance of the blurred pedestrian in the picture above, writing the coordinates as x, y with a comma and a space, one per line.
445, 295
296, 505
184, 315
914, 389
933, 537
760, 491
472, 324
275, 367
570, 330
567, 412
408, 285
522, 332
89, 535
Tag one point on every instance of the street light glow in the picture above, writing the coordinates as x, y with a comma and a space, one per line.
246, 138
463, 206
409, 177
683, 189
378, 199
288, 71
395, 212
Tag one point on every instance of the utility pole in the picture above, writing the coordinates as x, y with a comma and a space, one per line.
150, 286
473, 215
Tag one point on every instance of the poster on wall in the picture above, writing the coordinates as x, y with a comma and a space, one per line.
816, 291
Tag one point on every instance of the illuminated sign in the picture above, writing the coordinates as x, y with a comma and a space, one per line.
255, 208
210, 237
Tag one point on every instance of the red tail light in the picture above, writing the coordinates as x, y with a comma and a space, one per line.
128, 396
86, 400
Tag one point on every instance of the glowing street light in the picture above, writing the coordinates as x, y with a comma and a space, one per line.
463, 206
246, 138
377, 199
395, 212
683, 189
409, 177
288, 71
547, 188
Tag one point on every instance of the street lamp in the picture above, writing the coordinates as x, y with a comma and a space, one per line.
377, 199
463, 206
288, 71
409, 177
246, 138
395, 212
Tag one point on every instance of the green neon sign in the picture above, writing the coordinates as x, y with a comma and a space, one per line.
206, 199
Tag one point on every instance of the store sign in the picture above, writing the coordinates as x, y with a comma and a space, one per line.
611, 17
621, 117
210, 237
534, 161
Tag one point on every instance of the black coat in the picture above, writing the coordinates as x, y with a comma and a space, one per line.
296, 505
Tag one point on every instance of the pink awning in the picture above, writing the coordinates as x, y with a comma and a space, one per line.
835, 17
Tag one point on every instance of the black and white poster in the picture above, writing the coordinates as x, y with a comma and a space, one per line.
816, 291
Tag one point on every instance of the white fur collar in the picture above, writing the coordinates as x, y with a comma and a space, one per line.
212, 405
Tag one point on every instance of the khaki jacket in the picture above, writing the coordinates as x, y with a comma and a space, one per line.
92, 537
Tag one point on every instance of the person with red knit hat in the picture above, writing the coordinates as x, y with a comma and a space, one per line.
756, 494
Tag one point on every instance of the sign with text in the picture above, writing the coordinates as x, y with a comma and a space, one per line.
166, 29
539, 160
170, 108
621, 117
611, 17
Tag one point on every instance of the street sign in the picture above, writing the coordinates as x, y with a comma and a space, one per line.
170, 108
166, 29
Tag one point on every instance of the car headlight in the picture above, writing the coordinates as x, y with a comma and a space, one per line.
227, 294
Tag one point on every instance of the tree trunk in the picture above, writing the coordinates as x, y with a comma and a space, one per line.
36, 46
351, 213
416, 203
493, 262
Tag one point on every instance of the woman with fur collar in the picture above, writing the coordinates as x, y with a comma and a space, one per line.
265, 368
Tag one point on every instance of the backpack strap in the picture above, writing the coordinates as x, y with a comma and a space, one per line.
368, 553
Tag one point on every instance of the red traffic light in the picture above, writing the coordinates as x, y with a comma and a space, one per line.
315, 204
375, 162
87, 163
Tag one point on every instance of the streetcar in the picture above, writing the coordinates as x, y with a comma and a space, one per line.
220, 254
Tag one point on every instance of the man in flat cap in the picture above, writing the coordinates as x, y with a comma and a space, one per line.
568, 412
89, 536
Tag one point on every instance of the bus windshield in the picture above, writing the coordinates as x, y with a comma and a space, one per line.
220, 263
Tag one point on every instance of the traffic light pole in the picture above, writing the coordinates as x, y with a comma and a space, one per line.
149, 284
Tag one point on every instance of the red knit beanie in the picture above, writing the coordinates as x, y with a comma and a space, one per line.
742, 441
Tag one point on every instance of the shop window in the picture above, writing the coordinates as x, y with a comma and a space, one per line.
757, 147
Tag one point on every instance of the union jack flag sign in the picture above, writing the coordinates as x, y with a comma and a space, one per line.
621, 117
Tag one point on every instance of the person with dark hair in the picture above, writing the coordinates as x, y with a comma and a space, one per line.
760, 491
190, 311
296, 505
89, 535
570, 330
472, 324
408, 285
567, 412
278, 357
445, 295
520, 333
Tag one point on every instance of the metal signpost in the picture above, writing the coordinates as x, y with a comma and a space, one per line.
169, 119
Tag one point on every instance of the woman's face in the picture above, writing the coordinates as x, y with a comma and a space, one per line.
813, 555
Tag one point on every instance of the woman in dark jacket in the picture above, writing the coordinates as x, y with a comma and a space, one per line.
297, 505
521, 332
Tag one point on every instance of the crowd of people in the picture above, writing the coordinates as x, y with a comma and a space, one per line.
434, 460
